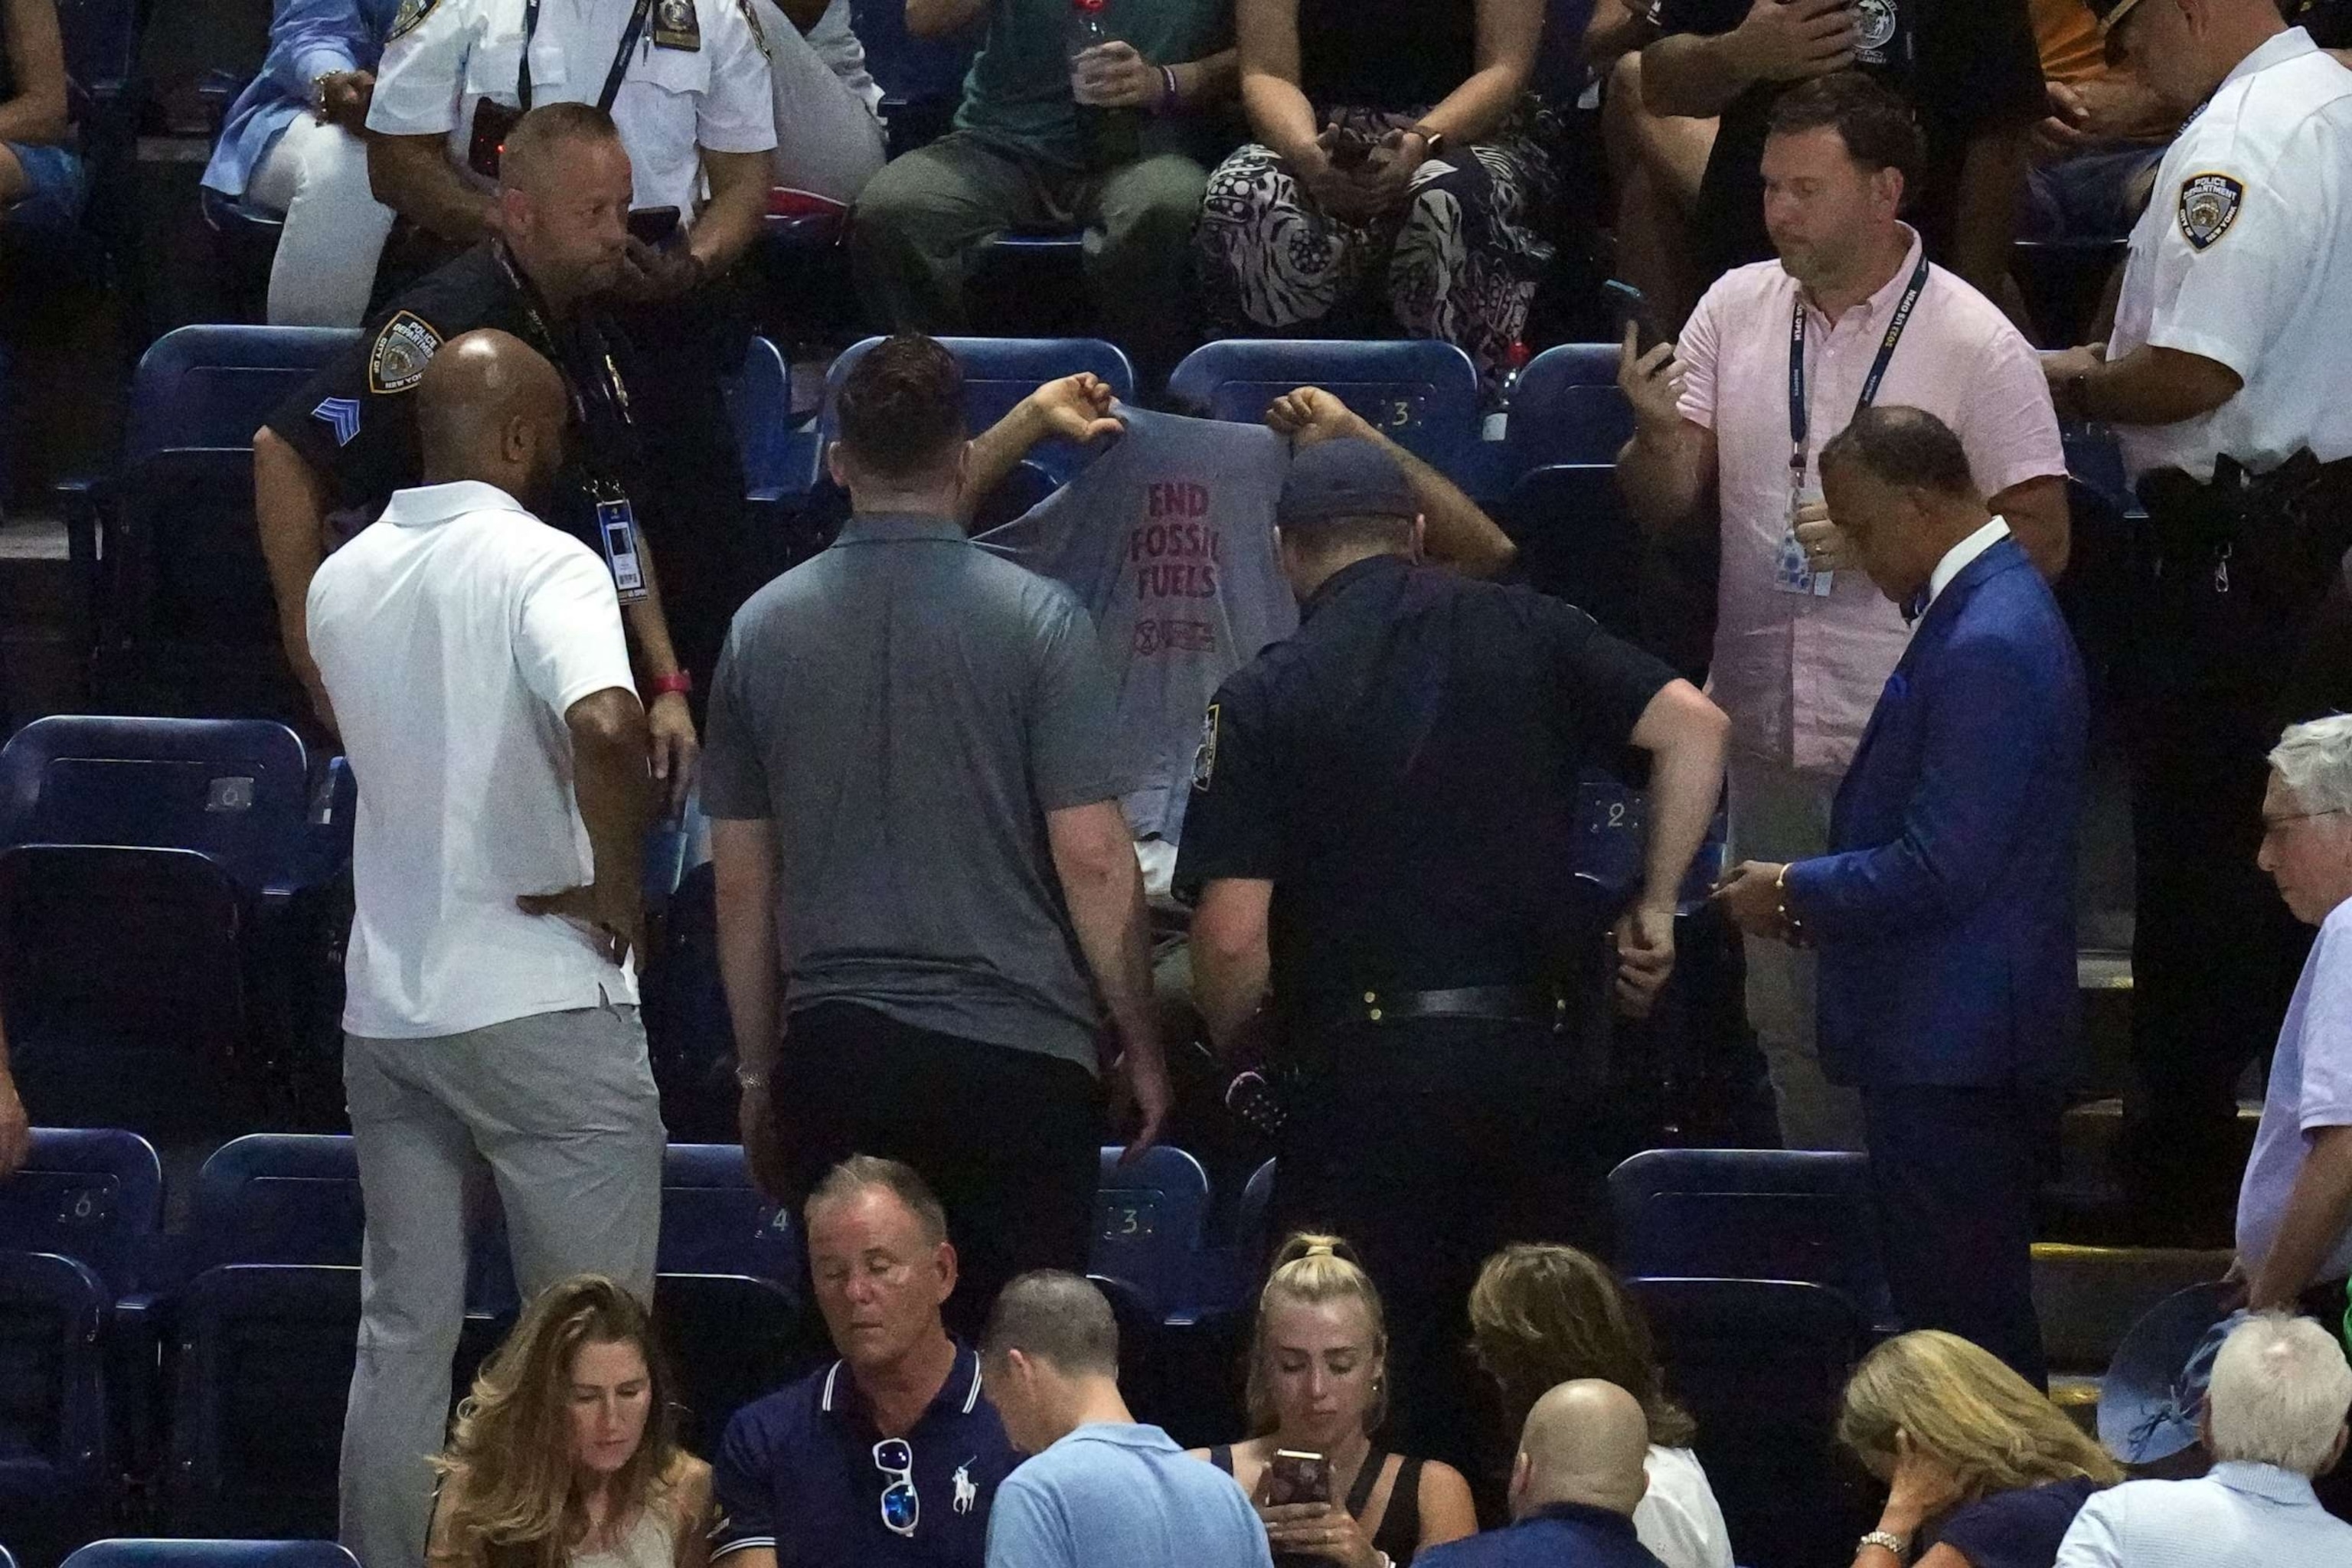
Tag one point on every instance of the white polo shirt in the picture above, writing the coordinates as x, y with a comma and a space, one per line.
445, 56
2244, 256
453, 636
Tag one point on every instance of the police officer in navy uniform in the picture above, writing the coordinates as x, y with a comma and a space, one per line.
1381, 835
348, 439
689, 83
2228, 383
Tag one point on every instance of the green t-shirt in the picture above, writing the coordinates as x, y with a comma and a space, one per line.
1018, 94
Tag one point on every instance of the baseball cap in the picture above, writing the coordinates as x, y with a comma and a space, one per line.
1347, 478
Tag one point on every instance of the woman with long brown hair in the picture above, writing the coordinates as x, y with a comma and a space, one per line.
1544, 1315
566, 1454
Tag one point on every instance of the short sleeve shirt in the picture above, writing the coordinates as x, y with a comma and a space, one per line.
2310, 1089
795, 1473
355, 421
1018, 94
907, 707
1800, 673
1123, 1496
464, 765
1416, 746
2244, 256
2018, 1529
1964, 67
697, 78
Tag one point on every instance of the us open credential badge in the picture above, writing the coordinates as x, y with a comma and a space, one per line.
401, 350
2209, 205
1204, 761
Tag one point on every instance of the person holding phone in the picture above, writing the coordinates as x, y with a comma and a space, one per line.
1395, 175
1317, 1393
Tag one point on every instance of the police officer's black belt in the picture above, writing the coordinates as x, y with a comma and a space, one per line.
1498, 1004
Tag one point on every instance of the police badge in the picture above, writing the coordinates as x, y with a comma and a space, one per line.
676, 25
406, 345
411, 12
1876, 21
1204, 761
2209, 205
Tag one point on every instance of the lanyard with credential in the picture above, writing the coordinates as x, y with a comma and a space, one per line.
1800, 417
620, 58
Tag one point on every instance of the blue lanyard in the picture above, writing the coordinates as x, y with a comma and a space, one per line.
1800, 419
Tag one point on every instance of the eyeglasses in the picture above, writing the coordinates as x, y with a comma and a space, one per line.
2271, 825
901, 1509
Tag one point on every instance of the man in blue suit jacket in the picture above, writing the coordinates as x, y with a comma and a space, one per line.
1945, 910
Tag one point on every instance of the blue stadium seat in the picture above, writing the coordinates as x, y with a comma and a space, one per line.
1752, 1213
1578, 541
165, 890
213, 1555
57, 1467
165, 548
1149, 1222
1761, 1366
93, 1195
278, 1198
775, 455
1423, 395
999, 373
714, 1221
1567, 409
7, 1558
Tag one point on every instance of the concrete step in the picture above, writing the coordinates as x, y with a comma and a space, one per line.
2089, 1297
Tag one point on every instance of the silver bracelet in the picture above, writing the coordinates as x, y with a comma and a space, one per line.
1886, 1540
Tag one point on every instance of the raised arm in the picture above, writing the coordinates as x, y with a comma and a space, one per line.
1457, 532
1077, 407
1667, 469
1094, 857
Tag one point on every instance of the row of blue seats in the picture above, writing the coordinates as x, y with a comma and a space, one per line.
159, 1553
1749, 1261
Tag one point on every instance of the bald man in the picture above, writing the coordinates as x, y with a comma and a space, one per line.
475, 657
1578, 1479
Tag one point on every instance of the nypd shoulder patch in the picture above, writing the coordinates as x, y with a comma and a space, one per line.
340, 415
1205, 760
2209, 205
411, 12
401, 349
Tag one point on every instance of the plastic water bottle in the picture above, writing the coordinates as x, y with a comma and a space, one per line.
1515, 360
1111, 136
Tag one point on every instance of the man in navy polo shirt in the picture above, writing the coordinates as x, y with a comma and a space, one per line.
1578, 1479
890, 1456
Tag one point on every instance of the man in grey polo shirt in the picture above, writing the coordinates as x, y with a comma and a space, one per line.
914, 774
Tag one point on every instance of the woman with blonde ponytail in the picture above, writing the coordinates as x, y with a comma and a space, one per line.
566, 1454
1318, 1386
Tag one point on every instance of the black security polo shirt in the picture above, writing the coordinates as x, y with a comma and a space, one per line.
355, 421
1965, 66
1404, 771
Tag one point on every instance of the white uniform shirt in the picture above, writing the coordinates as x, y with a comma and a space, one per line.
2244, 256
673, 99
453, 636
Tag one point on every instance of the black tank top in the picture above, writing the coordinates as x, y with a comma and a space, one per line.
1398, 1535
1385, 54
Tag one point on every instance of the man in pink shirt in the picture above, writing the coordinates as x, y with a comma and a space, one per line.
1803, 643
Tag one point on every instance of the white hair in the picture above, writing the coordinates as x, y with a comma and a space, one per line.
2280, 1391
2313, 761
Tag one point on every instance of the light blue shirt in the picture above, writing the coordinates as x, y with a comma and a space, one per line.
308, 39
1122, 1497
2310, 1089
2239, 1516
